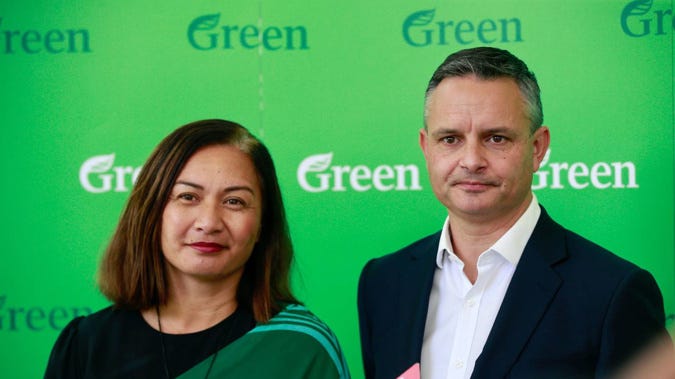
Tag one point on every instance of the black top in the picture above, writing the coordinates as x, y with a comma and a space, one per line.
116, 343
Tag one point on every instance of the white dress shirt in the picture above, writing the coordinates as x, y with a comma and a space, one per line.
461, 314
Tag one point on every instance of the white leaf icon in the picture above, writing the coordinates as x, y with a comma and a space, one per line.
314, 163
96, 165
101, 163
317, 163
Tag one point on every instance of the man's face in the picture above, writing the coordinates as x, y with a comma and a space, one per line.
479, 150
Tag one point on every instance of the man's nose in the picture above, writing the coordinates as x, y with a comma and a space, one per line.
473, 156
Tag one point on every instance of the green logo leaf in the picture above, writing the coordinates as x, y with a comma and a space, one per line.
421, 18
638, 8
206, 22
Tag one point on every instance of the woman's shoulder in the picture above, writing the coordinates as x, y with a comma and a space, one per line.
87, 322
105, 319
99, 327
79, 336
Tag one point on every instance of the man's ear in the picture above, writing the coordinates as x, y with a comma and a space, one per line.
540, 143
423, 141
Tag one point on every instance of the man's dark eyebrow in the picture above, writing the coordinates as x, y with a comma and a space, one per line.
451, 131
498, 130
443, 132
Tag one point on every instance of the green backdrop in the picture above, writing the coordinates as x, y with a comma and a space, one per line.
90, 87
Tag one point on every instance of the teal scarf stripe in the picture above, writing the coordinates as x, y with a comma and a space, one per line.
298, 319
305, 317
311, 332
328, 337
298, 314
303, 313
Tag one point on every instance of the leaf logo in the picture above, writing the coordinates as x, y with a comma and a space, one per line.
317, 163
421, 18
414, 21
206, 22
96, 165
314, 163
101, 163
632, 9
638, 8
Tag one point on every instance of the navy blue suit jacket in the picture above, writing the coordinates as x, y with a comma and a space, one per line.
572, 310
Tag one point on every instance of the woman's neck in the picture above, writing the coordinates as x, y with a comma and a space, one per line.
193, 306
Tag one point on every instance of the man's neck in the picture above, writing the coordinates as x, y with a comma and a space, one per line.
471, 236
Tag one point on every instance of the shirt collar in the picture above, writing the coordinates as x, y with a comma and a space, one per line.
511, 245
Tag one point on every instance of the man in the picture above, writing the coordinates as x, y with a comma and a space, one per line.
502, 290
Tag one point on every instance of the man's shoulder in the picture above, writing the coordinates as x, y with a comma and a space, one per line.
423, 248
594, 256
581, 254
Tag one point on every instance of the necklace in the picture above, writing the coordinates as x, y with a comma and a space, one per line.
165, 361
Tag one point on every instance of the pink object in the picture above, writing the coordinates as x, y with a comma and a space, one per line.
412, 373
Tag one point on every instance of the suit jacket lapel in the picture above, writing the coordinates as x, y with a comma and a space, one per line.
416, 281
532, 288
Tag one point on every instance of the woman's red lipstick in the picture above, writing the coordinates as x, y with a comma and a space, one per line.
206, 247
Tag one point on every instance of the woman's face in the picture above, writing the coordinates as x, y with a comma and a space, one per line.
212, 219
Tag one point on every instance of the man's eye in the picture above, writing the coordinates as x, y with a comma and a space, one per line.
449, 139
498, 139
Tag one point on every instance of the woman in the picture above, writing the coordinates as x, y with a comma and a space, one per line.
198, 274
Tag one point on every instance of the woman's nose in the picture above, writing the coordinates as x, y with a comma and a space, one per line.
209, 218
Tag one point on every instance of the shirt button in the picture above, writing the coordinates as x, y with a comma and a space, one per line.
470, 303
459, 364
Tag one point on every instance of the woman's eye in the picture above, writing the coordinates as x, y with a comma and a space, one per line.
235, 202
187, 196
